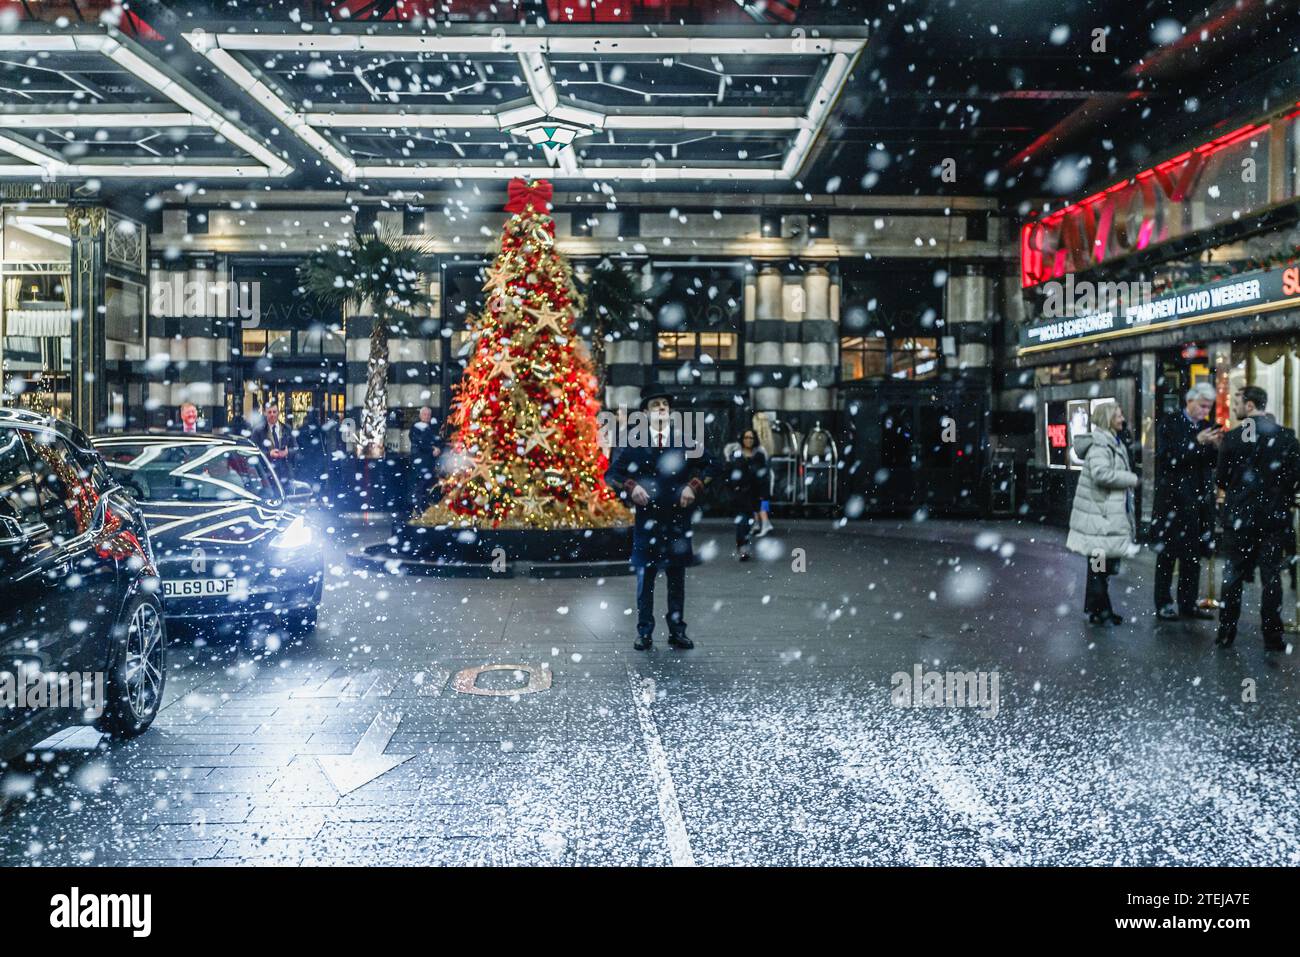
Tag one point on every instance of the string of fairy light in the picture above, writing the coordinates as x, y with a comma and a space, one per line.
526, 439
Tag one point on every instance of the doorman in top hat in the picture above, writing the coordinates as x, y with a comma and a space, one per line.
662, 483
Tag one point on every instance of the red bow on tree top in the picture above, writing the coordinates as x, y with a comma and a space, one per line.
521, 194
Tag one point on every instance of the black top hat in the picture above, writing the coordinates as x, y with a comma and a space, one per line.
645, 399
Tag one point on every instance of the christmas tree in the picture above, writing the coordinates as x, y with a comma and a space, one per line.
525, 445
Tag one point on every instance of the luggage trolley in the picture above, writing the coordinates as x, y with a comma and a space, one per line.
783, 466
819, 468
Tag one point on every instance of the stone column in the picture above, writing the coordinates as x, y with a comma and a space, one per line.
749, 314
89, 389
768, 332
819, 335
625, 366
166, 299
356, 355
968, 317
793, 307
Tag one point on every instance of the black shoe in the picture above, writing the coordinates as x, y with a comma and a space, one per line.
1203, 614
680, 641
1167, 613
1278, 646
1224, 640
1113, 618
643, 643
1097, 618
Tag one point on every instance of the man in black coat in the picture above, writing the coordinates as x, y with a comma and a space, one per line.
1257, 475
424, 458
661, 476
277, 441
1182, 515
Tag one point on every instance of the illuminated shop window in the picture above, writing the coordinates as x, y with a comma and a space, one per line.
881, 357
718, 346
262, 342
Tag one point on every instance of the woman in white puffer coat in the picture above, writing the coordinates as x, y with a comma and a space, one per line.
1102, 523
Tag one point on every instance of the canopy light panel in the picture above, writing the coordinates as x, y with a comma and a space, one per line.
95, 104
377, 102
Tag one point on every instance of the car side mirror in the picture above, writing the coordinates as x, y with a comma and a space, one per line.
298, 491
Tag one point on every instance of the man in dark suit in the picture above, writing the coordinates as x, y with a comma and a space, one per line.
277, 441
1182, 515
424, 458
662, 481
1257, 475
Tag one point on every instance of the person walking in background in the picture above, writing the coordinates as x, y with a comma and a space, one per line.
662, 482
1182, 515
1102, 525
424, 458
1257, 475
748, 478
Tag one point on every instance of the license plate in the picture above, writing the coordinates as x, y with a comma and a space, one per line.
197, 587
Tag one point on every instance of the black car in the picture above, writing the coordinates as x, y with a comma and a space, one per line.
229, 547
82, 633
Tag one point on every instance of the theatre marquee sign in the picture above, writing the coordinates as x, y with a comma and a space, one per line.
1241, 295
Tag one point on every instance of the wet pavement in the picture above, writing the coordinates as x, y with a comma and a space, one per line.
781, 739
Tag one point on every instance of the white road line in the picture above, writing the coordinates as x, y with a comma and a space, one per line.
670, 812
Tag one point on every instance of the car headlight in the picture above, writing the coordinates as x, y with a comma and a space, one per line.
297, 535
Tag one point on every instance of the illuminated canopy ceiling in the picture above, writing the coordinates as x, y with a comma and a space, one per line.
91, 103
385, 102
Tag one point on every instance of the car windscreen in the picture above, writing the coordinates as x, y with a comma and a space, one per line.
191, 472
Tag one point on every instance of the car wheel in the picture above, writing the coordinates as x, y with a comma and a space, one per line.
138, 673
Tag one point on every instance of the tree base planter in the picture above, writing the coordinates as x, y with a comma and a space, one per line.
493, 553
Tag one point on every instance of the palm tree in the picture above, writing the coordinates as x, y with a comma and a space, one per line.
614, 300
386, 270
